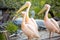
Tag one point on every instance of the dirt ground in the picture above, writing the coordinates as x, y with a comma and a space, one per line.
44, 35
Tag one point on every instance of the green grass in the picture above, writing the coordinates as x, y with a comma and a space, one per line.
2, 37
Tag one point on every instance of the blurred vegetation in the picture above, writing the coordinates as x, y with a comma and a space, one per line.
37, 5
11, 27
2, 37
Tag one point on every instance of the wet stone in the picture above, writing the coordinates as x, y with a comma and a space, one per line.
44, 35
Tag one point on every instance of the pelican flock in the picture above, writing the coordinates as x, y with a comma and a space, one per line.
29, 26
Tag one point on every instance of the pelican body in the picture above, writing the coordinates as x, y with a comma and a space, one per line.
29, 26
50, 24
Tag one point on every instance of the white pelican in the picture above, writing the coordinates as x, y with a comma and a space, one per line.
51, 24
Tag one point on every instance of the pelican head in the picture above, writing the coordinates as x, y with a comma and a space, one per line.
46, 7
27, 4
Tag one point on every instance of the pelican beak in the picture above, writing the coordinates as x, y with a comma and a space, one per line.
19, 11
23, 7
44, 9
27, 4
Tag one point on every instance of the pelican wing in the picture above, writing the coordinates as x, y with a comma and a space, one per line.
54, 22
26, 28
29, 29
34, 23
51, 26
32, 29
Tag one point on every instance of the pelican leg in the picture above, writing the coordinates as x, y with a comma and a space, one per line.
29, 38
51, 34
37, 38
